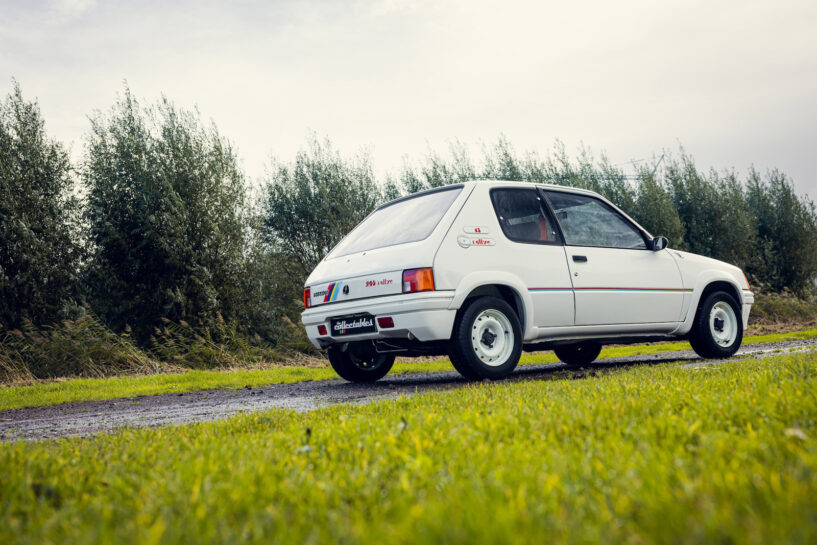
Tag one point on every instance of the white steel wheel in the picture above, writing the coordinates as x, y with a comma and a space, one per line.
717, 330
492, 337
723, 324
486, 341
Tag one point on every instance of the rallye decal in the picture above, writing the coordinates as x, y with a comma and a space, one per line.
550, 289
467, 242
613, 289
370, 285
634, 289
332, 292
476, 230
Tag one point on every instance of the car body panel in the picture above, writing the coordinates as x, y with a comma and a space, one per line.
699, 272
625, 286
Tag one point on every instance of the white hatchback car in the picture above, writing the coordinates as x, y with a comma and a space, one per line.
483, 270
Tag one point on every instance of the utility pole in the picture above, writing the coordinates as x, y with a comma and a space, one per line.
657, 163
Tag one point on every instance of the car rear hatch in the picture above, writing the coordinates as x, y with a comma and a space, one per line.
356, 287
401, 235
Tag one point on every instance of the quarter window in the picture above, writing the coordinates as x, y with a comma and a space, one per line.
586, 221
522, 216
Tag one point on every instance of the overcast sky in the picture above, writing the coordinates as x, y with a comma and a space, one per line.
734, 82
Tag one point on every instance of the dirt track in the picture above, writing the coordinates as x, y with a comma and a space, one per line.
91, 417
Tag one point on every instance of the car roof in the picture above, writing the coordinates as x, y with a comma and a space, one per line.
493, 183
518, 183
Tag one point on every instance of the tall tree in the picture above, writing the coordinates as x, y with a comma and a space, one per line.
436, 170
314, 202
500, 162
165, 210
785, 251
654, 210
39, 247
715, 215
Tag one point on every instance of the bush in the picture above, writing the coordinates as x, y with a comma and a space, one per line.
83, 347
205, 348
782, 308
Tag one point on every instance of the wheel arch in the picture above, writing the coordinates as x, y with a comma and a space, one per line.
501, 291
718, 285
501, 285
708, 284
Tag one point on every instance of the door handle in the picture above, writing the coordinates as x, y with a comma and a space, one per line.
580, 258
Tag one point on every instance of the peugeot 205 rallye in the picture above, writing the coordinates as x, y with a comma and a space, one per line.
483, 270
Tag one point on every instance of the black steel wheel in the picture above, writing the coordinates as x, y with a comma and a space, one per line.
360, 362
578, 354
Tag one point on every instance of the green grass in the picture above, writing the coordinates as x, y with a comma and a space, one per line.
52, 393
651, 454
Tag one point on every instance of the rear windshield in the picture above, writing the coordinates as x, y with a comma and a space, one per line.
405, 221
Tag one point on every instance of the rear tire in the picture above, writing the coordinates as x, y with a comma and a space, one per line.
487, 340
578, 354
359, 362
718, 327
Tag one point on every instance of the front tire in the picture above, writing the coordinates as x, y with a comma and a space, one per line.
718, 328
487, 340
360, 362
578, 354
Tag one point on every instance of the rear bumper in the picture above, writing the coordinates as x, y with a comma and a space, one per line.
425, 316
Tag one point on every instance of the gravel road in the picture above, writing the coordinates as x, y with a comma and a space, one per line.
90, 417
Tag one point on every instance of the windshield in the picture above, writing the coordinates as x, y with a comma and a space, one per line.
404, 221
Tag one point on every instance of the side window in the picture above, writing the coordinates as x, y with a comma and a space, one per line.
521, 214
586, 221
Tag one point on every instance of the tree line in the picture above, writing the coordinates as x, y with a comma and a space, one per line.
158, 223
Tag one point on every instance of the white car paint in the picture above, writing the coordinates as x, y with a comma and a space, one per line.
614, 293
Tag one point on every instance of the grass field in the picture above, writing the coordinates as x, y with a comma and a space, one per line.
651, 454
55, 392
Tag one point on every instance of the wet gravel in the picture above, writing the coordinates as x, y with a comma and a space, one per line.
90, 417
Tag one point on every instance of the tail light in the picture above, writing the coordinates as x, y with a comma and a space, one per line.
748, 287
307, 297
322, 330
418, 280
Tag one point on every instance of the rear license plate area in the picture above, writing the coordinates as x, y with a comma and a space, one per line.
352, 325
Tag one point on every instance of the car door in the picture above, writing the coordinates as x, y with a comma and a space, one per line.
536, 253
616, 279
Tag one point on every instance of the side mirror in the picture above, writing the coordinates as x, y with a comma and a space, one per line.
658, 243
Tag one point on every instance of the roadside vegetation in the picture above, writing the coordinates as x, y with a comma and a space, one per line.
177, 380
651, 454
154, 252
